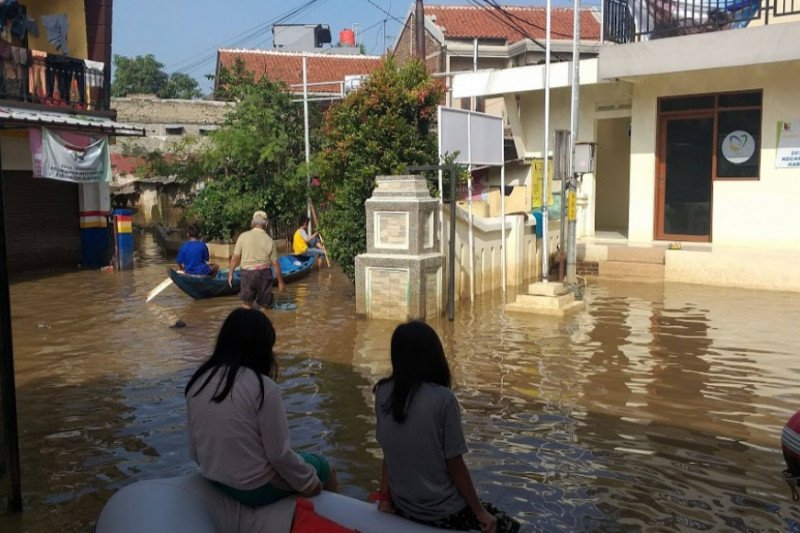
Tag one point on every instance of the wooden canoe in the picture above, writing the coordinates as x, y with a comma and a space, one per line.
200, 287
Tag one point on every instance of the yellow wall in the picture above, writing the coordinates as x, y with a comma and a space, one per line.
76, 15
745, 213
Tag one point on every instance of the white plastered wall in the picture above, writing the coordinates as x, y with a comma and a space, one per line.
745, 212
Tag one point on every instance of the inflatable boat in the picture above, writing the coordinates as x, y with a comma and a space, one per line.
190, 504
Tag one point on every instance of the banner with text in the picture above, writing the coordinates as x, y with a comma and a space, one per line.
68, 156
788, 153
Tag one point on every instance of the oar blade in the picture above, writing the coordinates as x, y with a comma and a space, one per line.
161, 286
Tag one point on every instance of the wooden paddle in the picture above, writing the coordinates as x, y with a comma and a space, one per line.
316, 224
161, 286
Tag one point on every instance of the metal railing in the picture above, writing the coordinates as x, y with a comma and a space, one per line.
626, 21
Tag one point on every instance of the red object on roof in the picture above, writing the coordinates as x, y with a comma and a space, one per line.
125, 164
288, 67
468, 22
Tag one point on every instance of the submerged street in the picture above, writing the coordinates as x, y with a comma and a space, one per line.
659, 407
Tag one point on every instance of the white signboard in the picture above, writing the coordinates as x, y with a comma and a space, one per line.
476, 137
788, 153
66, 157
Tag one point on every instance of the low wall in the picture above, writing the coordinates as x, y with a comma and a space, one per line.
735, 267
521, 252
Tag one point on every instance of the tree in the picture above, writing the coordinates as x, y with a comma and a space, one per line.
257, 158
145, 74
382, 128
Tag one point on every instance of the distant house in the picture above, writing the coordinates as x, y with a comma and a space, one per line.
328, 74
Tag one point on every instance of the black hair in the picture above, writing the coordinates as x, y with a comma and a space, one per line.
302, 219
417, 358
245, 340
193, 231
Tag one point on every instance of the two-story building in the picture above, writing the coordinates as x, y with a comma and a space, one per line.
55, 121
694, 111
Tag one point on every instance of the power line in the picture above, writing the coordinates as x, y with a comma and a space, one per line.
386, 12
511, 15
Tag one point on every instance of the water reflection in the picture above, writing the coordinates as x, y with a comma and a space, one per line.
658, 408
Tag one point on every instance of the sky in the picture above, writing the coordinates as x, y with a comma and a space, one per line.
185, 34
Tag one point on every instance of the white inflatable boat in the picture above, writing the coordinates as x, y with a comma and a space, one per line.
190, 504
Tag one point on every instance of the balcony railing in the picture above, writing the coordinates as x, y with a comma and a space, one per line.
53, 81
626, 21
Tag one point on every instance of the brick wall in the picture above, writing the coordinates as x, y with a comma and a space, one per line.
406, 48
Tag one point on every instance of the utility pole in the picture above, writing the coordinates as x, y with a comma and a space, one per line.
419, 25
546, 153
572, 191
308, 142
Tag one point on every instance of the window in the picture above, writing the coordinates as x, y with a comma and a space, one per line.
736, 132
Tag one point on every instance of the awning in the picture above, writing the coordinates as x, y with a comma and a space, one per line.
21, 117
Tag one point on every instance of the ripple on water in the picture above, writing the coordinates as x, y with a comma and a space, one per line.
659, 408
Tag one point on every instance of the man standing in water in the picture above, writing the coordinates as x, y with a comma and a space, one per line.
256, 252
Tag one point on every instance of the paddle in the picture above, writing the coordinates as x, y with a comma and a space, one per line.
316, 224
161, 286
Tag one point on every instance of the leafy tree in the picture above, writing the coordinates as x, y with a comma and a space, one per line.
180, 85
382, 128
145, 74
257, 157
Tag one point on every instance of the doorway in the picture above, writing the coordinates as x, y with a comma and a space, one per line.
612, 177
684, 177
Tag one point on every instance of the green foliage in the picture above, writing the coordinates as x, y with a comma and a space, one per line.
257, 158
383, 128
145, 74
180, 85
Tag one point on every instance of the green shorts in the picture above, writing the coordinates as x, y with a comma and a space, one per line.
269, 493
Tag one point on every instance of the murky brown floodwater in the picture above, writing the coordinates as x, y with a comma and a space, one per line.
659, 408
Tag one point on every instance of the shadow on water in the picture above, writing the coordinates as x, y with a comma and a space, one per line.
659, 408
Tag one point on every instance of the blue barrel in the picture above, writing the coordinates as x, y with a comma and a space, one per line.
537, 215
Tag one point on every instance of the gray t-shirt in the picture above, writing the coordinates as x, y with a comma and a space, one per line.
416, 451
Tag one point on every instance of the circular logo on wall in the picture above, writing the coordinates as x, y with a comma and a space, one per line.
738, 147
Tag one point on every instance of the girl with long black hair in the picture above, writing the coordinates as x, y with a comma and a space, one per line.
238, 432
424, 476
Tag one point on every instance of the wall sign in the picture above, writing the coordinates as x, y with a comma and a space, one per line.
738, 147
67, 156
788, 153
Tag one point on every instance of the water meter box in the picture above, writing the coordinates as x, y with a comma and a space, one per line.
584, 157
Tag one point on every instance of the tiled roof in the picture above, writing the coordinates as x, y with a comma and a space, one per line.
126, 164
468, 22
288, 66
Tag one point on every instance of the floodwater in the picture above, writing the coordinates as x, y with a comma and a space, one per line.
658, 409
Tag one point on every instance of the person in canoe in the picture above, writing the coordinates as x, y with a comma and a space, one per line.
193, 255
255, 251
305, 244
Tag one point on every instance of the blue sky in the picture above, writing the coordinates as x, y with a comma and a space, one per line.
184, 34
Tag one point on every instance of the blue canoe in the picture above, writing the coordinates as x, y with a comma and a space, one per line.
199, 287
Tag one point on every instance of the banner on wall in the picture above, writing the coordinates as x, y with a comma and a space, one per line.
788, 153
70, 157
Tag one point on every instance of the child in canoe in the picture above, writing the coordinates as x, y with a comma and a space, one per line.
193, 255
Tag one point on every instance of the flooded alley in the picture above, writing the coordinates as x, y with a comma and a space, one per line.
659, 407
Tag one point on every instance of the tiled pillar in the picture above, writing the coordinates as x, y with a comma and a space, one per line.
401, 275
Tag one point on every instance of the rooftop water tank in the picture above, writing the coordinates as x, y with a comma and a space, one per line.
347, 37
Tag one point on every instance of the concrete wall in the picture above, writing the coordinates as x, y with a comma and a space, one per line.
76, 16
155, 115
745, 212
612, 176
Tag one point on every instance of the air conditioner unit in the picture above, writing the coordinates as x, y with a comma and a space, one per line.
353, 82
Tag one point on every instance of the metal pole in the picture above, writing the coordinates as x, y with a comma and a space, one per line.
441, 186
8, 390
308, 143
473, 105
573, 137
451, 266
546, 163
419, 24
503, 222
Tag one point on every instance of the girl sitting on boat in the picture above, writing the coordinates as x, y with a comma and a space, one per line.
238, 432
424, 476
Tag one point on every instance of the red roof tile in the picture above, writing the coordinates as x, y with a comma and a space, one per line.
288, 66
468, 22
126, 164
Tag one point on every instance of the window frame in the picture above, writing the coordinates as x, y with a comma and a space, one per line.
716, 110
